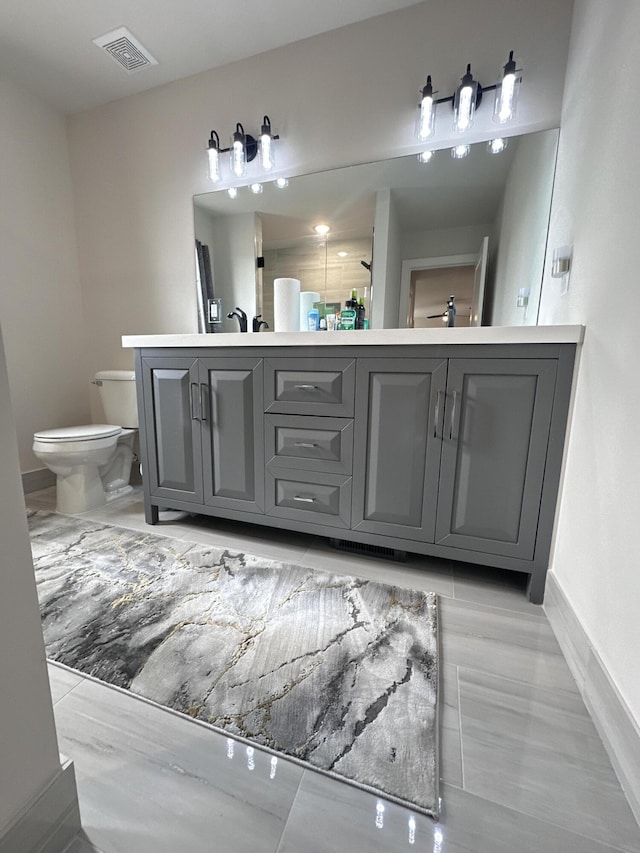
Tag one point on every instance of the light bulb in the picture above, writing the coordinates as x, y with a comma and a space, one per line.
213, 154
427, 115
232, 192
496, 146
267, 145
256, 189
504, 105
281, 183
464, 103
238, 152
321, 229
460, 151
425, 156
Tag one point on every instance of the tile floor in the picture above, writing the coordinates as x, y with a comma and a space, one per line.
522, 766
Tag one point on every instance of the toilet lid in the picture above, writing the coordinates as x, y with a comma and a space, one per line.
78, 433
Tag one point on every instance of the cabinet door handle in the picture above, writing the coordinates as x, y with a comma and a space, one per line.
192, 400
453, 413
304, 500
203, 400
305, 444
436, 413
306, 387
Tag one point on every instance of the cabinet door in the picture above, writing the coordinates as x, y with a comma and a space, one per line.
233, 433
172, 431
495, 438
397, 440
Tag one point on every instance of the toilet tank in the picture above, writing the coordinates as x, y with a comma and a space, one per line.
118, 395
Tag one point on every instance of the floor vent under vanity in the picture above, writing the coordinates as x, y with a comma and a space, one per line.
370, 550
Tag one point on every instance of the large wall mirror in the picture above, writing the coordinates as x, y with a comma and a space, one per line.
406, 235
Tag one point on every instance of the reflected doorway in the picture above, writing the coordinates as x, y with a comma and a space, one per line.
427, 283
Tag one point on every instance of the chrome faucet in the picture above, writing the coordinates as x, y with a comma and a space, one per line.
242, 318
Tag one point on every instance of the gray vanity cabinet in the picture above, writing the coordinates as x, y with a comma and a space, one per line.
232, 433
444, 450
494, 446
399, 413
202, 441
171, 438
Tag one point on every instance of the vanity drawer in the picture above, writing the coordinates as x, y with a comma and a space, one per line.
309, 444
293, 388
307, 496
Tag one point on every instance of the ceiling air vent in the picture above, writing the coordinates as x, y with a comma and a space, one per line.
126, 50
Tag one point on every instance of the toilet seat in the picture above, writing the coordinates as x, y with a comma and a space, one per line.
87, 432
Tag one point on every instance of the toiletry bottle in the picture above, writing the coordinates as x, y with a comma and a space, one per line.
347, 317
353, 302
360, 312
314, 320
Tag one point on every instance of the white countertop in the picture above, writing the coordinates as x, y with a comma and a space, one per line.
376, 337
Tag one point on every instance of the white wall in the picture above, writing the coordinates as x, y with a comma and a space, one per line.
344, 97
596, 208
40, 301
524, 218
465, 240
28, 746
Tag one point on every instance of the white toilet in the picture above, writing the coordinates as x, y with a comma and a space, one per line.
92, 463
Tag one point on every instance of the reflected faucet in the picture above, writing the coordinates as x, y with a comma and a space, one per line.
242, 318
257, 322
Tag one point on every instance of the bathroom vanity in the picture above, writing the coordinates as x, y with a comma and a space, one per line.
445, 442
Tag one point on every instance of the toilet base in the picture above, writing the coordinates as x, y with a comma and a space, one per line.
81, 491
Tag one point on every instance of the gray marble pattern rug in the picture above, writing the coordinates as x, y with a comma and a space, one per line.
334, 672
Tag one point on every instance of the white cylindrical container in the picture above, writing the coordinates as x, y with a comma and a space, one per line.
286, 305
307, 298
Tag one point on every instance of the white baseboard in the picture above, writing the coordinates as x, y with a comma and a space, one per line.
609, 712
50, 822
33, 481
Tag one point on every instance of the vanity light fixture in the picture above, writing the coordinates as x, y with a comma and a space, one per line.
467, 98
256, 189
506, 97
232, 192
425, 156
213, 152
243, 149
427, 114
267, 159
281, 183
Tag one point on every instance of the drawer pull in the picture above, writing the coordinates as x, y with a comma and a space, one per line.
304, 500
306, 387
305, 444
